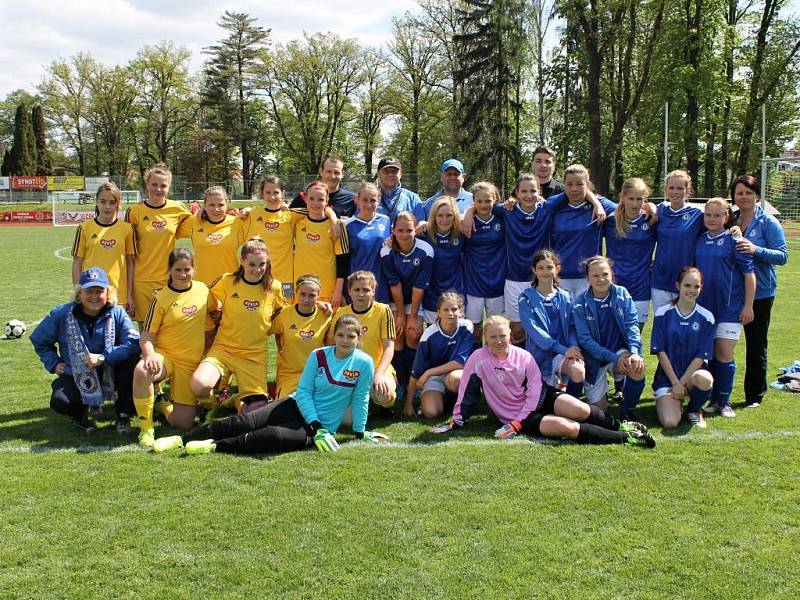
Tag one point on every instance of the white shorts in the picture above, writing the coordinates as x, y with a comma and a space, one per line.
643, 309
661, 392
475, 306
574, 287
728, 331
435, 383
407, 309
553, 379
661, 298
597, 390
429, 316
511, 293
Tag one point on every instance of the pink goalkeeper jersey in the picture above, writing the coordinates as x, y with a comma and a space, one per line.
512, 387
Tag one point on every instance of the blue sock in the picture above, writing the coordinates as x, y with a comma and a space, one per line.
574, 389
697, 399
723, 381
631, 392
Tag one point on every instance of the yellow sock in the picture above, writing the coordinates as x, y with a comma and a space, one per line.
144, 408
164, 408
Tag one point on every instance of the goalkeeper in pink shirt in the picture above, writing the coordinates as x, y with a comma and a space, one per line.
512, 386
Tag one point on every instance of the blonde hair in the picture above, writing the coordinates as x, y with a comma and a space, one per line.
450, 296
679, 174
158, 169
496, 320
486, 186
634, 185
577, 169
435, 208
367, 186
111, 299
723, 203
308, 279
367, 276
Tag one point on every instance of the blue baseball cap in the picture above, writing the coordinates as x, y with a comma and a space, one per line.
452, 163
93, 277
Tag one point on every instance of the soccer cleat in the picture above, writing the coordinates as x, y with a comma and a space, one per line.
123, 423
711, 408
200, 447
696, 419
147, 438
629, 416
165, 444
94, 412
727, 411
632, 426
640, 438
753, 405
84, 424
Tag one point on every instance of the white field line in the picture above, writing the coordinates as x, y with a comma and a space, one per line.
58, 252
356, 445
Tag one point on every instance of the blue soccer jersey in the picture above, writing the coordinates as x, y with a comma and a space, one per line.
723, 270
610, 335
412, 270
436, 348
631, 255
365, 240
677, 233
448, 269
575, 234
683, 338
485, 257
526, 234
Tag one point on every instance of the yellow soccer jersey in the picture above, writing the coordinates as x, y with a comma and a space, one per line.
215, 245
377, 325
300, 335
107, 247
276, 229
180, 319
247, 311
155, 237
315, 251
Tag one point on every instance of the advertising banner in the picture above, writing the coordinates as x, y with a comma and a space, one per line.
66, 182
90, 184
38, 182
42, 217
5, 183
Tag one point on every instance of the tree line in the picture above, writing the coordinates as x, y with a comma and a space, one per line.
481, 80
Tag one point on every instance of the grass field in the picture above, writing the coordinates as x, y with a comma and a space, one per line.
707, 514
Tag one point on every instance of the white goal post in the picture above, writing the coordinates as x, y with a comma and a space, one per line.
74, 208
780, 185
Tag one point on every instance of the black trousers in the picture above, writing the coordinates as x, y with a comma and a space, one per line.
755, 335
277, 427
65, 399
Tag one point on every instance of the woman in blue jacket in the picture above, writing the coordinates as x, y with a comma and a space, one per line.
762, 238
608, 333
92, 347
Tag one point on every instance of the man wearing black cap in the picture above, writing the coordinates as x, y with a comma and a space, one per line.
452, 177
394, 198
341, 200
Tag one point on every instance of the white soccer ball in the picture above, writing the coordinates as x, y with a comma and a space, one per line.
15, 329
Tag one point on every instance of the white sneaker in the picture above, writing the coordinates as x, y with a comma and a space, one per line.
727, 411
696, 419
753, 405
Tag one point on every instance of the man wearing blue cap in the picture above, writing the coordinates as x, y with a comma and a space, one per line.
452, 177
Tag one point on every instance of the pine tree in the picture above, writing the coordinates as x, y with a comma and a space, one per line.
44, 165
5, 169
23, 150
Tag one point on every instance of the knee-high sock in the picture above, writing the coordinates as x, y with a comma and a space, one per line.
594, 434
602, 418
631, 392
697, 399
144, 408
574, 388
723, 381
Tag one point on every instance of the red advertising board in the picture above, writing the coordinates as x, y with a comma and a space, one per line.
26, 216
29, 183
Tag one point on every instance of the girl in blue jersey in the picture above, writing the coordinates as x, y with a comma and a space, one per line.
365, 234
334, 379
575, 231
444, 235
485, 257
546, 314
679, 226
630, 240
763, 239
608, 334
439, 361
730, 286
683, 340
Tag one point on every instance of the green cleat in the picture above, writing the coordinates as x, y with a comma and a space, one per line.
147, 438
165, 444
629, 426
200, 447
640, 438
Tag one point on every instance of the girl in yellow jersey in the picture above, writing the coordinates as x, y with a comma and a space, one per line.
156, 222
216, 236
299, 330
249, 299
107, 243
172, 342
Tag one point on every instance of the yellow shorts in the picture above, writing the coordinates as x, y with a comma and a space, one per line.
286, 384
142, 292
251, 375
180, 377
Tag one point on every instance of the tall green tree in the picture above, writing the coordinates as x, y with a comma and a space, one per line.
374, 105
110, 114
44, 165
8, 110
23, 150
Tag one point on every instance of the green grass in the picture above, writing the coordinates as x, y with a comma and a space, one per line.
707, 514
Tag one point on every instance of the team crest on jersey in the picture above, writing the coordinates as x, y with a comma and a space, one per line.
497, 226
416, 262
306, 334
271, 226
695, 326
645, 226
350, 374
364, 329
720, 242
252, 305
108, 244
456, 242
686, 217
189, 310
214, 238
159, 225
381, 227
312, 237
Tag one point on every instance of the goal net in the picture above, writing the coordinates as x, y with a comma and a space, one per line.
780, 185
74, 208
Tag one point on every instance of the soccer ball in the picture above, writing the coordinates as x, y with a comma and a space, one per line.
15, 329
